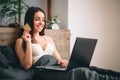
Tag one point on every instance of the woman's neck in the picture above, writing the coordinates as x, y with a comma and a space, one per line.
35, 37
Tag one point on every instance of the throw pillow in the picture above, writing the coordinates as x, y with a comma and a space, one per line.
9, 53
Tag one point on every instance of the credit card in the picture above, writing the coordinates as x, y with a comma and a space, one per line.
26, 27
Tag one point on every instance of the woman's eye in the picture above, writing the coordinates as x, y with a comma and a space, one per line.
37, 19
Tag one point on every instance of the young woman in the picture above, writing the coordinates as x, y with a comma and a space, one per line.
33, 44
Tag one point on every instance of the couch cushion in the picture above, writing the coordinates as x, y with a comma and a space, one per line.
10, 55
15, 74
3, 61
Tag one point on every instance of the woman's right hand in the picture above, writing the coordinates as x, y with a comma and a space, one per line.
26, 36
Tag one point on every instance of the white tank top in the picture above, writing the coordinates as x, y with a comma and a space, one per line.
38, 52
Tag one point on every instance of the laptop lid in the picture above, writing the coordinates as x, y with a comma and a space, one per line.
82, 52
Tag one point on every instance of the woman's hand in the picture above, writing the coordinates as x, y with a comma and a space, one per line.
63, 63
26, 36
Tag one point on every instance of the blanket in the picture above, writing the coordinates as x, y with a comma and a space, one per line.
10, 70
80, 73
94, 73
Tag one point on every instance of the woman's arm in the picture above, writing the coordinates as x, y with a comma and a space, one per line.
24, 56
56, 54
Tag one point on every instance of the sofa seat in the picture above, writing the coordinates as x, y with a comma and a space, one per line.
10, 68
14, 74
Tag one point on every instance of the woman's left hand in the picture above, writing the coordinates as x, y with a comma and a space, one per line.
63, 62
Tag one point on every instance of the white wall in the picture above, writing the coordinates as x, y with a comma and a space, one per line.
97, 19
60, 8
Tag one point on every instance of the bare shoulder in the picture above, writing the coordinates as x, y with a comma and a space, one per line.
19, 41
49, 39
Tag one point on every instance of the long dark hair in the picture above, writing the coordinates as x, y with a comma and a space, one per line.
29, 18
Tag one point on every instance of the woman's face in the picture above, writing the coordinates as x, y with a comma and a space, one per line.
39, 21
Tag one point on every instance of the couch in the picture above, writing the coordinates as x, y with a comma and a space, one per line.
10, 68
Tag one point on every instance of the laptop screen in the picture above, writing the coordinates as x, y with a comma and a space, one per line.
82, 52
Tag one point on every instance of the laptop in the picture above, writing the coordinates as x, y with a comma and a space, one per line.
80, 57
